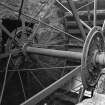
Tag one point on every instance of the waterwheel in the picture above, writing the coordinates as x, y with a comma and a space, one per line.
42, 50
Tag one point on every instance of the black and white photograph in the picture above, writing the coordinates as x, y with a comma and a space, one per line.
52, 52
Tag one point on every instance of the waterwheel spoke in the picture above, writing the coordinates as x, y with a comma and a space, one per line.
36, 69
54, 68
95, 13
103, 26
5, 78
37, 79
22, 86
70, 12
89, 3
89, 14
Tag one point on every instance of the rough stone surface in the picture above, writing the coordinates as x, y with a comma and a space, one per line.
99, 94
101, 85
97, 99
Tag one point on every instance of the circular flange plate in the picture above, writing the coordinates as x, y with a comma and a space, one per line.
90, 71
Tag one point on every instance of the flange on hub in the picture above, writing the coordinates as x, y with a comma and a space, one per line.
90, 67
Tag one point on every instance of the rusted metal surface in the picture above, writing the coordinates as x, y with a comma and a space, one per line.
56, 50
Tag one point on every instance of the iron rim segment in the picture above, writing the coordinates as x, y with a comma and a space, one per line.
90, 72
